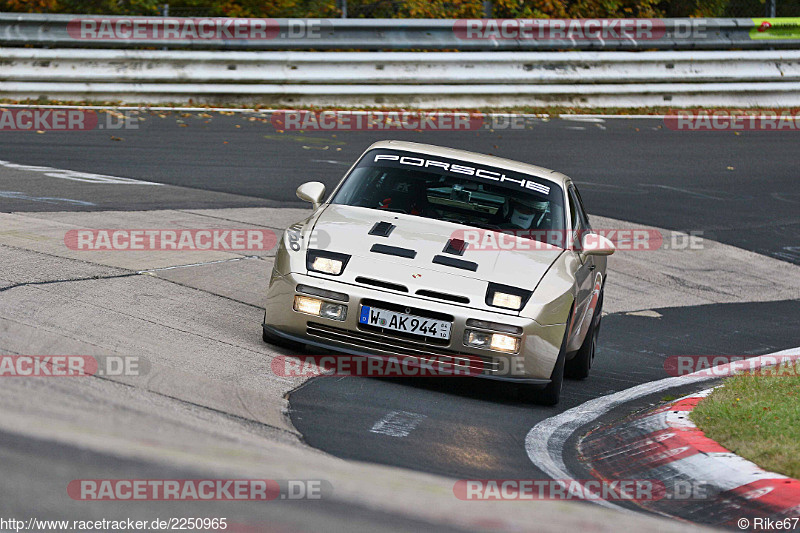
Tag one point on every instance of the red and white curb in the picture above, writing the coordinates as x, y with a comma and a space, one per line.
704, 482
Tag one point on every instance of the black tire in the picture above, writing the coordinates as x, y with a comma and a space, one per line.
551, 394
579, 366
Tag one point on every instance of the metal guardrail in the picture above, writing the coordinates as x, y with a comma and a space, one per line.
406, 79
400, 68
397, 34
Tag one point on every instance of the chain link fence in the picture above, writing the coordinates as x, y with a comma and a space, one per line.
756, 8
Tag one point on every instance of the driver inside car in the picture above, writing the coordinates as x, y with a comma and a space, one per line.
407, 196
516, 214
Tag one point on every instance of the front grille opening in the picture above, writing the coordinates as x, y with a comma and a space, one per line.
443, 296
397, 308
382, 284
484, 324
369, 341
315, 291
403, 335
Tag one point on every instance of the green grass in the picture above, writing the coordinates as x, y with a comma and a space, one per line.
758, 418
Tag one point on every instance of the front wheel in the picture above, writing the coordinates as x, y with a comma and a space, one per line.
579, 366
551, 394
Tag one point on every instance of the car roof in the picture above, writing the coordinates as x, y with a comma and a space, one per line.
473, 157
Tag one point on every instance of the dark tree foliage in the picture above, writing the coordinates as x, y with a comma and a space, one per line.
410, 8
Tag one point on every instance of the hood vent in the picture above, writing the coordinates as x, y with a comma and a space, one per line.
393, 250
382, 229
455, 247
455, 263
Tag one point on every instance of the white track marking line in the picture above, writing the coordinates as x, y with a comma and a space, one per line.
15, 195
582, 118
545, 442
397, 423
681, 189
74, 175
329, 161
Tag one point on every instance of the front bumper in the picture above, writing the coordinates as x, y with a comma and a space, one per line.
533, 364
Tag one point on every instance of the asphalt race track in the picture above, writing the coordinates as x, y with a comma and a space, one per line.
737, 189
476, 430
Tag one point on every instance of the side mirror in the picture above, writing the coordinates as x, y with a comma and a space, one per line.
595, 244
312, 191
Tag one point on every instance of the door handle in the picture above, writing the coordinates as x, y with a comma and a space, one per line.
592, 267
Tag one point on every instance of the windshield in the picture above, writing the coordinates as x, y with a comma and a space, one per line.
445, 189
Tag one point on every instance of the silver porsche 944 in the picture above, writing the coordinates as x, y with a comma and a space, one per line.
431, 253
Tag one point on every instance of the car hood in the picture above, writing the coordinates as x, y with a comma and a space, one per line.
346, 229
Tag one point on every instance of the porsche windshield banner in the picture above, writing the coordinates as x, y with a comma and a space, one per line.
452, 167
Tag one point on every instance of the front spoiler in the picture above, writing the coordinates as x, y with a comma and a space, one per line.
271, 331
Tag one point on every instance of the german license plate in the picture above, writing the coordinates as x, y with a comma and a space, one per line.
419, 325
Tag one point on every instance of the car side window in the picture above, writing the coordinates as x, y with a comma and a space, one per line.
577, 222
573, 210
581, 210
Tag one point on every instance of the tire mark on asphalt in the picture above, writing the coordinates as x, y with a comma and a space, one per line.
398, 423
